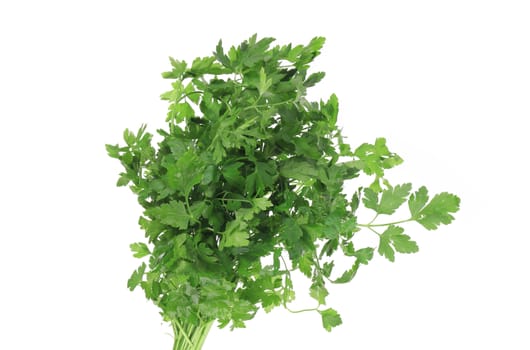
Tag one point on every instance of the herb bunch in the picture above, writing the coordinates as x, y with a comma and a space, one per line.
247, 185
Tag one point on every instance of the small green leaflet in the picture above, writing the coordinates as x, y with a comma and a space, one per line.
290, 231
318, 292
235, 235
330, 318
136, 277
364, 255
264, 83
261, 203
394, 239
436, 212
173, 214
139, 249
374, 159
330, 109
261, 179
299, 169
417, 201
348, 275
190, 171
232, 174
391, 198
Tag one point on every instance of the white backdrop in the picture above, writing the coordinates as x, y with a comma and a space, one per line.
447, 82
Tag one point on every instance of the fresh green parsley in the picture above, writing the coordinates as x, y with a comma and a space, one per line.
246, 187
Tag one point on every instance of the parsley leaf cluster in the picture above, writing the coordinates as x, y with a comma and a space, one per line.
247, 186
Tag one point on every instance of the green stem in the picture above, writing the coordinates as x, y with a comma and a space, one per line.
387, 224
189, 336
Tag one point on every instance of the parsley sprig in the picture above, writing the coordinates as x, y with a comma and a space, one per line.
246, 187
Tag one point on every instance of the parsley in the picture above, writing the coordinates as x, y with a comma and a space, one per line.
246, 187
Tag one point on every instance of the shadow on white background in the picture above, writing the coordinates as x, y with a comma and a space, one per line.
447, 84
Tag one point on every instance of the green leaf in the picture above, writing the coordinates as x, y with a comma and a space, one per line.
374, 159
189, 171
318, 292
327, 268
197, 209
392, 198
179, 67
331, 110
139, 249
261, 203
136, 277
348, 275
330, 319
393, 238
417, 201
264, 83
364, 255
173, 214
232, 174
438, 210
305, 264
123, 180
314, 78
262, 178
235, 234
290, 231
299, 169
371, 199
201, 65
129, 137
220, 56
403, 244
113, 151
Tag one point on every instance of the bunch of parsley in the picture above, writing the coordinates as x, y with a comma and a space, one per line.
246, 186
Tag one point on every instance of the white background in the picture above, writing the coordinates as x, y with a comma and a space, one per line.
447, 82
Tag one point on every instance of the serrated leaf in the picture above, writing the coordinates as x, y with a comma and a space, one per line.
128, 137
189, 171
392, 198
264, 83
299, 169
220, 55
123, 180
314, 78
290, 231
327, 268
261, 203
330, 319
438, 210
394, 239
235, 234
261, 179
232, 174
173, 214
136, 277
139, 249
385, 249
364, 255
371, 199
331, 110
305, 264
318, 292
113, 151
403, 244
348, 275
417, 201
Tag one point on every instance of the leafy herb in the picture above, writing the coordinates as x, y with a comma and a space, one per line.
246, 187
